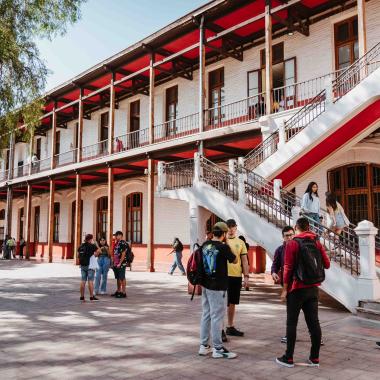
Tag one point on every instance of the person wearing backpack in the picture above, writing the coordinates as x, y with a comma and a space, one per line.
22, 246
85, 251
177, 250
305, 262
215, 255
121, 251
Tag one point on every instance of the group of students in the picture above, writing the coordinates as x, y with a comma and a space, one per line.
298, 266
9, 248
97, 258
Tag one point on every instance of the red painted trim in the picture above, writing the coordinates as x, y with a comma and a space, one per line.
331, 143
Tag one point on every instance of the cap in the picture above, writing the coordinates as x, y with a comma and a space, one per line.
220, 226
231, 223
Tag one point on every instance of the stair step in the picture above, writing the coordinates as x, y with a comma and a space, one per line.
368, 313
370, 304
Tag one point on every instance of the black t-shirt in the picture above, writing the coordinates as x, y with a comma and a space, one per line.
221, 253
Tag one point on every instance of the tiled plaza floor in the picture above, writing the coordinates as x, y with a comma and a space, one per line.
46, 333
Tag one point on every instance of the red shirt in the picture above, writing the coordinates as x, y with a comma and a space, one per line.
291, 251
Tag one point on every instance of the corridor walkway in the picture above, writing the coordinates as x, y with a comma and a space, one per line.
45, 333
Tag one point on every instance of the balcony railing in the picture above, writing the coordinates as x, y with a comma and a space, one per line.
241, 111
21, 171
100, 149
179, 174
3, 175
131, 140
65, 158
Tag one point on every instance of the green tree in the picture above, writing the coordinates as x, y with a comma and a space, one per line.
22, 71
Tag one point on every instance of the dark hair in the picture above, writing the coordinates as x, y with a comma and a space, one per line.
309, 190
118, 233
331, 200
217, 232
241, 237
103, 238
88, 237
286, 229
303, 224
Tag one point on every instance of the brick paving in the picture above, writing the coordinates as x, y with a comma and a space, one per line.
46, 333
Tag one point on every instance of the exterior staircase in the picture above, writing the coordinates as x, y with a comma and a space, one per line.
261, 213
369, 309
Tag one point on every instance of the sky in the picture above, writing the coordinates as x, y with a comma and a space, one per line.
107, 27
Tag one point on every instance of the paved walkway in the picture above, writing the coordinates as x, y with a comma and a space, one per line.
45, 333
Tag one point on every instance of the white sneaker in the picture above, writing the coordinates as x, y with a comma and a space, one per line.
223, 353
204, 350
102, 293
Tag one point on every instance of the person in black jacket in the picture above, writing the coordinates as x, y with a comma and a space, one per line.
177, 250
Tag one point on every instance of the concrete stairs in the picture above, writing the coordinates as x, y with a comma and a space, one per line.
369, 309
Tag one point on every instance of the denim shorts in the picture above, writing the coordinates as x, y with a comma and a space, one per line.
119, 273
87, 274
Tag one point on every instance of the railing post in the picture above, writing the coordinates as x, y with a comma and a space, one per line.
281, 134
241, 182
161, 176
232, 166
329, 91
277, 186
197, 168
369, 286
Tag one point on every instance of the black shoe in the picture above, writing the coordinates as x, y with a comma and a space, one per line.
322, 342
285, 362
81, 299
378, 344
224, 337
247, 288
122, 295
115, 294
284, 339
234, 332
94, 298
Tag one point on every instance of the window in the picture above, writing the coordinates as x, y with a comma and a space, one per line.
73, 221
21, 223
2, 214
76, 129
277, 54
211, 221
134, 125
101, 217
346, 43
57, 142
38, 148
56, 222
357, 188
36, 224
134, 217
171, 109
7, 158
104, 117
216, 95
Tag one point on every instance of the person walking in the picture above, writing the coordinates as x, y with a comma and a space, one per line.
336, 218
119, 264
311, 205
85, 252
22, 246
304, 263
104, 262
235, 271
177, 250
215, 255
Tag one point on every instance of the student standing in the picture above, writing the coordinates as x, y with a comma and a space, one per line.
301, 289
311, 205
104, 262
119, 264
337, 219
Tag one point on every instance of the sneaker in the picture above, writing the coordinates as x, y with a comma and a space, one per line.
115, 294
122, 295
102, 293
234, 332
81, 299
223, 353
378, 344
94, 298
170, 273
285, 362
322, 342
284, 339
313, 363
204, 350
183, 274
224, 337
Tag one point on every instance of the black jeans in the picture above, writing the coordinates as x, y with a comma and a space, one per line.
307, 300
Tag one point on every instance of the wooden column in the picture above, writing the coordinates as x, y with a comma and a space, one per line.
151, 99
78, 216
202, 81
53, 136
111, 126
150, 243
268, 58
362, 28
51, 220
28, 216
80, 127
8, 208
110, 193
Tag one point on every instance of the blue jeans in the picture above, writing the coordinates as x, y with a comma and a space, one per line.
314, 217
104, 265
177, 262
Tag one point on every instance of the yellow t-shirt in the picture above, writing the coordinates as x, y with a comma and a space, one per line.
239, 249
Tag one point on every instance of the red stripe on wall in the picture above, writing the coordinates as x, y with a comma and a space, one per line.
333, 142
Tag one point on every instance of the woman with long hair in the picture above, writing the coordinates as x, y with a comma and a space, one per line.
104, 262
336, 217
311, 204
177, 262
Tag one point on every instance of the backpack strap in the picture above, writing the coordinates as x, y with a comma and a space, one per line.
192, 294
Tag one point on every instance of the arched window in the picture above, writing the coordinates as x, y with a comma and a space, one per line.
357, 187
211, 221
134, 217
57, 209
2, 214
21, 223
101, 217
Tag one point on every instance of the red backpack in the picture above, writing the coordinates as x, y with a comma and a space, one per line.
195, 267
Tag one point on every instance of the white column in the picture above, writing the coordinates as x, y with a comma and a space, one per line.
295, 214
281, 134
329, 91
369, 285
198, 219
161, 176
197, 168
232, 166
277, 186
241, 182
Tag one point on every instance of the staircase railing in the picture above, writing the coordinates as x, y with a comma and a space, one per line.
220, 179
179, 174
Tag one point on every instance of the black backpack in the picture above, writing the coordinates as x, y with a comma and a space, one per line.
309, 268
129, 256
84, 255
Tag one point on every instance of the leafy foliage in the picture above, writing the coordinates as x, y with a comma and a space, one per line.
22, 71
